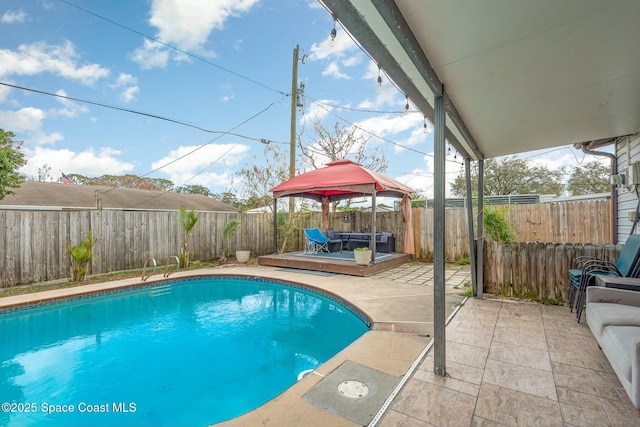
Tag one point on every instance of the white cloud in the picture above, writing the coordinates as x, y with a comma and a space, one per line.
4, 93
208, 157
187, 25
26, 119
12, 17
387, 126
150, 55
333, 70
125, 79
351, 61
421, 179
129, 93
87, 162
339, 53
317, 111
36, 58
331, 49
71, 109
129, 85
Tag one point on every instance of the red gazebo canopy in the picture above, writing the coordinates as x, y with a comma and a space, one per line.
338, 180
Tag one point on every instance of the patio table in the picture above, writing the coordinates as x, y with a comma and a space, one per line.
628, 283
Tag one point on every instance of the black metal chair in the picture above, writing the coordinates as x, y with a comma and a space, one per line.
587, 268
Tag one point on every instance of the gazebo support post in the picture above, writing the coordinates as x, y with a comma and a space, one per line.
373, 225
275, 226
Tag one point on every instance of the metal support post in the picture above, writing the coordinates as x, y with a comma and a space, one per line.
470, 221
439, 305
480, 245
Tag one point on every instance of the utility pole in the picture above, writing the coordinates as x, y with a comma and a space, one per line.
294, 104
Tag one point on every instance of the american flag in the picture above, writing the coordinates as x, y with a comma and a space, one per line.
66, 179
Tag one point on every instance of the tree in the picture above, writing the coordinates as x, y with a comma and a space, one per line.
193, 189
255, 182
511, 175
125, 181
44, 173
11, 159
230, 199
590, 178
340, 143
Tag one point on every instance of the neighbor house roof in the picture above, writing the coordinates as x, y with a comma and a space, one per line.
50, 195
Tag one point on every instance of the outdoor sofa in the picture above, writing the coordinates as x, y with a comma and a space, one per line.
613, 315
385, 241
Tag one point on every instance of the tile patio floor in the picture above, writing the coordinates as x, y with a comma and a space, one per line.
515, 364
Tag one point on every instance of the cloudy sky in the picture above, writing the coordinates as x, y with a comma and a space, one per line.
187, 89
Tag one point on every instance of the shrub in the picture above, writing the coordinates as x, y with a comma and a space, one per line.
496, 223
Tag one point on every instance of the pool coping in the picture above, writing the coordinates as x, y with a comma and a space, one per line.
392, 344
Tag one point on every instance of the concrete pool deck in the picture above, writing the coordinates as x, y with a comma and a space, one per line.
399, 302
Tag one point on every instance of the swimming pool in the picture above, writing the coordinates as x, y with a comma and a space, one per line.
185, 352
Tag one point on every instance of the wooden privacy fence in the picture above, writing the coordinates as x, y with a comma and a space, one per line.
33, 243
566, 222
536, 270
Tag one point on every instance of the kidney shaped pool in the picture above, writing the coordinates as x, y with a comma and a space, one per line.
188, 352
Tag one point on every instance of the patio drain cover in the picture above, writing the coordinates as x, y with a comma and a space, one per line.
353, 389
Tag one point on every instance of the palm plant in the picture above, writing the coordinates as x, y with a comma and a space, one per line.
228, 233
81, 256
187, 220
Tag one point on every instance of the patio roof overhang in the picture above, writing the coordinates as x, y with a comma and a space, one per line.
502, 77
519, 75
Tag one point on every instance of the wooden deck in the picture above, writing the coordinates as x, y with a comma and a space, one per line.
323, 262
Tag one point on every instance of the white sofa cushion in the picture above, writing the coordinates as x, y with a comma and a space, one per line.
603, 314
619, 344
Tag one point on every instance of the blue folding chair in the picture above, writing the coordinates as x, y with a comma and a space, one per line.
315, 241
586, 268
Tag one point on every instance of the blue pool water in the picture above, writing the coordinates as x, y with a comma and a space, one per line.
189, 353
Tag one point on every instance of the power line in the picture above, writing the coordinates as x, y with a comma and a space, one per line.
373, 134
211, 141
191, 55
141, 113
197, 149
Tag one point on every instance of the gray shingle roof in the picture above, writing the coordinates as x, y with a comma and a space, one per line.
50, 195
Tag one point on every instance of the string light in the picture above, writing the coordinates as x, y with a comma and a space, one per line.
425, 127
333, 32
379, 78
406, 107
